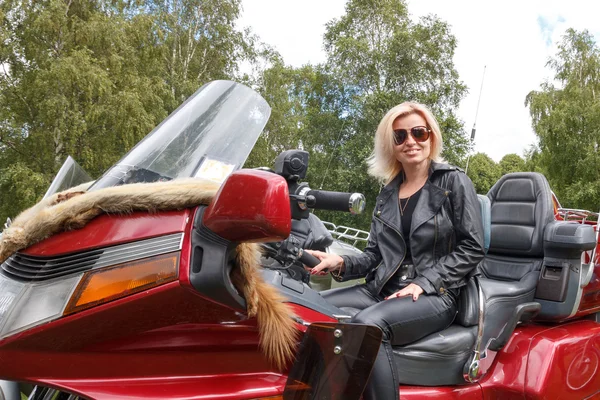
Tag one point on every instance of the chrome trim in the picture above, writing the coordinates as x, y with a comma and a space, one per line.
577, 301
303, 190
33, 393
586, 276
34, 268
593, 255
471, 371
345, 232
181, 241
300, 321
341, 317
357, 203
50, 394
576, 213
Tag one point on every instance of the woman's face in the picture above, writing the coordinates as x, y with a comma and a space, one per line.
411, 152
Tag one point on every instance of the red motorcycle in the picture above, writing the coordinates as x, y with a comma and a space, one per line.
154, 292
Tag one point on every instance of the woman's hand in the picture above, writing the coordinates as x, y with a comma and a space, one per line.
329, 263
411, 290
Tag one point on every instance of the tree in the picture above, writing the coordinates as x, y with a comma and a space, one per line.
511, 163
532, 160
308, 107
199, 41
566, 120
484, 172
387, 58
90, 78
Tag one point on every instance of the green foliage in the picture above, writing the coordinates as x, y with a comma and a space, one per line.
90, 78
484, 172
532, 160
24, 184
511, 163
566, 120
387, 58
199, 41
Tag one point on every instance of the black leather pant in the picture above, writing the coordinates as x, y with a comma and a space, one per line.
402, 321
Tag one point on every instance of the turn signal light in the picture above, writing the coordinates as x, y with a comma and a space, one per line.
108, 284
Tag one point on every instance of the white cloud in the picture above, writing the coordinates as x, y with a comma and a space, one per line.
510, 38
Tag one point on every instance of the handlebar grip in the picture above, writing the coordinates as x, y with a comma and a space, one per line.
338, 201
308, 259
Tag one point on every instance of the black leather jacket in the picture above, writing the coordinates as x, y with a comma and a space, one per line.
446, 235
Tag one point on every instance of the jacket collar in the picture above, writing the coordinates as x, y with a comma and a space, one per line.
430, 200
434, 168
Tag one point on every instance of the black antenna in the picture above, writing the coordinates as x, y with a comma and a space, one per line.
474, 129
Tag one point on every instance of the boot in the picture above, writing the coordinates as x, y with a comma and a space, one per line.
383, 382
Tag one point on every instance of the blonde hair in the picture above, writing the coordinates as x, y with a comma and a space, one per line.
382, 162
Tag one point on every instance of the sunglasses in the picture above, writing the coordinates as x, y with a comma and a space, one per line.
419, 133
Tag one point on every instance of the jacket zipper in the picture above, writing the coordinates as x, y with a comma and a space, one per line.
404, 256
435, 235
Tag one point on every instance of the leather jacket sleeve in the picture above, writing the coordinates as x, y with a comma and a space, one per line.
468, 251
358, 266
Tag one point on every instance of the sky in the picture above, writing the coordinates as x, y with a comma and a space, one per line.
512, 39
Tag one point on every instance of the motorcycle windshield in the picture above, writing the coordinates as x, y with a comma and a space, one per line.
334, 362
209, 136
70, 175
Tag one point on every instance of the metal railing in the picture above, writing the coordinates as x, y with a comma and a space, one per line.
352, 235
571, 214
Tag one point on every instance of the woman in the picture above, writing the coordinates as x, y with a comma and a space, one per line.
426, 237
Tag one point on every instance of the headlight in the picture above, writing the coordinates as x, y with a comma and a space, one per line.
71, 283
9, 292
24, 305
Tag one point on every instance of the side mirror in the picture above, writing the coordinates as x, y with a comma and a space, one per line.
251, 206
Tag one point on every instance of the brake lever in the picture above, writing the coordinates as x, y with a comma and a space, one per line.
290, 251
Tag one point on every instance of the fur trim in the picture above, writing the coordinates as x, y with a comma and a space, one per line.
52, 216
74, 209
278, 332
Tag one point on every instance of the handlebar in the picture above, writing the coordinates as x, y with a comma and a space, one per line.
336, 201
326, 200
288, 252
308, 259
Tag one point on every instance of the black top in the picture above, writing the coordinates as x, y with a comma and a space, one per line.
407, 208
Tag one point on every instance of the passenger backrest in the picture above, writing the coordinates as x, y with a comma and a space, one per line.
521, 206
